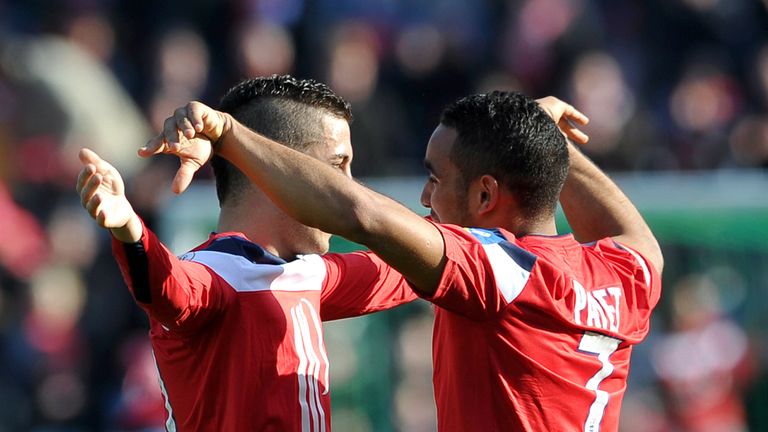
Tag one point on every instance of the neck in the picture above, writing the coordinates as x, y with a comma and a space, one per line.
522, 226
251, 223
547, 227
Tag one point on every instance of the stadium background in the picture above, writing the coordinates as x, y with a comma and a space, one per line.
677, 91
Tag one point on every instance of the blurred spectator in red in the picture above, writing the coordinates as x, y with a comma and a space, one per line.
704, 362
23, 248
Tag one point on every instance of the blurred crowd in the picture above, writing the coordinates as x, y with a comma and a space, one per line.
668, 85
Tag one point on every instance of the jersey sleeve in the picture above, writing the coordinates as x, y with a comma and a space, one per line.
182, 295
483, 272
641, 283
360, 283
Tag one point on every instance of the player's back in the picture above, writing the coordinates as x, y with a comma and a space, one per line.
539, 336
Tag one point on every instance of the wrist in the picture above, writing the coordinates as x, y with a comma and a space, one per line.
227, 123
130, 232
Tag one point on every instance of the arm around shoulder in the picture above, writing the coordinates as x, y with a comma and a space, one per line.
318, 195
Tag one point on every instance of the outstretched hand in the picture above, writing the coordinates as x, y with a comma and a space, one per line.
102, 194
567, 118
190, 133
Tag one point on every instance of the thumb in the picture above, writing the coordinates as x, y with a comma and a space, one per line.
88, 156
184, 176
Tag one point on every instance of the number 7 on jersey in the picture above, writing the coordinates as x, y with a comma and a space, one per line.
602, 346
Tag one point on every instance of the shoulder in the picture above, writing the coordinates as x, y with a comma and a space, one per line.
498, 252
612, 251
246, 266
625, 260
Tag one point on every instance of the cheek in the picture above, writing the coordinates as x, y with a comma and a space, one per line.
439, 200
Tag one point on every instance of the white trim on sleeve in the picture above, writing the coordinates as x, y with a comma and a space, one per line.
641, 261
509, 275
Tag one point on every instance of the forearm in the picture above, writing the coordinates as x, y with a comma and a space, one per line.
320, 196
596, 208
312, 192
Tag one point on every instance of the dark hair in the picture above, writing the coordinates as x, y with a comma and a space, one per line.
507, 135
280, 107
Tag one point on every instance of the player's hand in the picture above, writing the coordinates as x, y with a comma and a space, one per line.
567, 118
190, 133
102, 194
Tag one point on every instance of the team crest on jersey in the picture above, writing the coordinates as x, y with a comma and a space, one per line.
189, 256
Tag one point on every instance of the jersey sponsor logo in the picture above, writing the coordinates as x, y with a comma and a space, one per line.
312, 371
599, 308
306, 273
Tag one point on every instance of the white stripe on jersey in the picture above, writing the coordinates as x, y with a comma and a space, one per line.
170, 423
301, 372
509, 275
313, 368
643, 265
310, 366
306, 273
320, 344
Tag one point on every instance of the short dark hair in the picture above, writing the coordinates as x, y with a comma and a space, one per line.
508, 135
280, 107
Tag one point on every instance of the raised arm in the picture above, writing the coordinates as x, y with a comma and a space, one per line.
597, 208
593, 204
177, 293
312, 192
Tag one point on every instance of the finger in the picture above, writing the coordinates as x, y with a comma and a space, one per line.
89, 189
93, 205
104, 217
574, 115
184, 176
574, 133
84, 175
171, 133
196, 113
154, 146
578, 136
101, 218
88, 156
183, 123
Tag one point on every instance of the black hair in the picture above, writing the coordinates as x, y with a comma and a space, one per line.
508, 135
283, 108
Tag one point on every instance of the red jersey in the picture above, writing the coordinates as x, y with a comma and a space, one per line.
535, 333
236, 331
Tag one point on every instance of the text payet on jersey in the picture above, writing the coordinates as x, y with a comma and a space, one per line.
597, 308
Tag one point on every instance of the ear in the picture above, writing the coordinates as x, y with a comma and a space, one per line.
487, 194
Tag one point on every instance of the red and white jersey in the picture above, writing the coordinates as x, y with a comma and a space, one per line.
236, 332
535, 333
